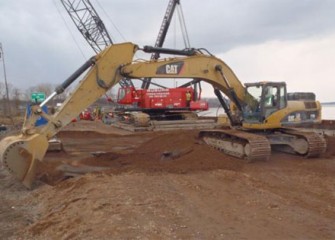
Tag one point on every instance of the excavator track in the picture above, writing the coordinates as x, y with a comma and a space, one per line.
317, 144
237, 143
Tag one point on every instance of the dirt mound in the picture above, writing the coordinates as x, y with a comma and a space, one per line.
330, 146
96, 126
178, 152
167, 185
85, 134
174, 152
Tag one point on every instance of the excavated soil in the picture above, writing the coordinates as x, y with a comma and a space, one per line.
167, 185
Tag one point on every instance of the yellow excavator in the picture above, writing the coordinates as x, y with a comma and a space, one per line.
261, 114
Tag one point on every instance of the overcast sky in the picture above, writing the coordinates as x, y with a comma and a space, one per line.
261, 40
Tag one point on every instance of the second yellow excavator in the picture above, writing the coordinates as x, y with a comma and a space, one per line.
261, 114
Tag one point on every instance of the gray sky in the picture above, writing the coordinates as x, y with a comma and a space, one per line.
286, 40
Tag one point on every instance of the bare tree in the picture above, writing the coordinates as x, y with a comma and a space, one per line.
46, 88
2, 98
5, 104
61, 97
16, 94
2, 90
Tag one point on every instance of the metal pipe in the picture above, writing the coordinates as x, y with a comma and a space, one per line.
155, 84
59, 89
230, 89
48, 99
75, 75
226, 108
185, 52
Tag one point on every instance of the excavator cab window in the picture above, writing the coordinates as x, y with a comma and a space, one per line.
282, 97
122, 94
273, 98
262, 99
270, 102
125, 95
252, 110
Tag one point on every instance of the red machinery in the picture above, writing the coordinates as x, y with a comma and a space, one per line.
157, 103
86, 115
161, 98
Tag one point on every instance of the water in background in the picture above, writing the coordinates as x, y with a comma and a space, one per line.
328, 112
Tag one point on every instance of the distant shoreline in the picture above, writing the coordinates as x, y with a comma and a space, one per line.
327, 103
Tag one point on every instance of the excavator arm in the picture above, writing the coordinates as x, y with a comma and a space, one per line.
196, 65
19, 154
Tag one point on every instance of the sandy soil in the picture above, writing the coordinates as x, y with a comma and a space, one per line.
195, 193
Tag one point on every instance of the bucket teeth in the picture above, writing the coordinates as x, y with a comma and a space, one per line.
19, 155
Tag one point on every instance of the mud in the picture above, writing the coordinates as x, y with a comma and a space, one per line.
167, 185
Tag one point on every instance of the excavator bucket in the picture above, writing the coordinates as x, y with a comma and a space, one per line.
19, 155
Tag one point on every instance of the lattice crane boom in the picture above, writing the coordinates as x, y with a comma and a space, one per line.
90, 25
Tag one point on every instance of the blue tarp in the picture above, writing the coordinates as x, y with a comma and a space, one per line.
40, 121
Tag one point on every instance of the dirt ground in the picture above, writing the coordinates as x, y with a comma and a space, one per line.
191, 192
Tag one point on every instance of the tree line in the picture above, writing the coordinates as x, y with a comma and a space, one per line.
19, 98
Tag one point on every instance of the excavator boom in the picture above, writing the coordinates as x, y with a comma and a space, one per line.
19, 154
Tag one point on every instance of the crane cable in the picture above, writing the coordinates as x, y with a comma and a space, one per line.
185, 36
183, 26
68, 28
110, 19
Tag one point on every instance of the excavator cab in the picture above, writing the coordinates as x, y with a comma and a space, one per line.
262, 99
126, 95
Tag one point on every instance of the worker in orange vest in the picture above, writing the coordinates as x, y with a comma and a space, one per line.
188, 98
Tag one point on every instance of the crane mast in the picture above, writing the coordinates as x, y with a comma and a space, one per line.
165, 26
162, 34
172, 6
